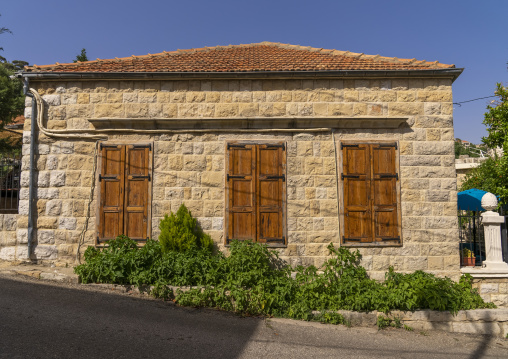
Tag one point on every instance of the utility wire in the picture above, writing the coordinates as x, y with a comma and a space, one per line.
475, 99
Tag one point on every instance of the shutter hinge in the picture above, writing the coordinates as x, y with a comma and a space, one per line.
351, 239
149, 146
235, 145
101, 177
342, 176
281, 145
396, 176
391, 238
235, 176
102, 145
282, 239
283, 177
342, 145
388, 145
141, 177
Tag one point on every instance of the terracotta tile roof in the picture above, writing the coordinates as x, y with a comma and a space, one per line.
264, 56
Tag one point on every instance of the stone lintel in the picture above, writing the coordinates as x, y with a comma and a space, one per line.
295, 123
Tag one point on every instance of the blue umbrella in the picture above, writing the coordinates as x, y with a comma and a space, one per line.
470, 200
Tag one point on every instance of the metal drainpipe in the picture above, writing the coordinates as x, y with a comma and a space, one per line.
33, 120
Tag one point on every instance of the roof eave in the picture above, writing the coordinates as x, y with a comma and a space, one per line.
452, 73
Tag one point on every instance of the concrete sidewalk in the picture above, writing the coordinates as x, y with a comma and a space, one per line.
37, 271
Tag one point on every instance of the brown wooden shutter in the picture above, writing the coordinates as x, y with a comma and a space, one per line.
240, 182
269, 189
384, 193
356, 175
111, 180
137, 178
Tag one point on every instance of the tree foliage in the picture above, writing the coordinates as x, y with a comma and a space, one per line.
12, 99
81, 57
492, 175
471, 151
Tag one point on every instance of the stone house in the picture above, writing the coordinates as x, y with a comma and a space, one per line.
291, 146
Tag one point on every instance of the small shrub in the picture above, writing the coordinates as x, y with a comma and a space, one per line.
382, 322
181, 232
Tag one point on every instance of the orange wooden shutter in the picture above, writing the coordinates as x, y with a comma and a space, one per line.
356, 175
240, 181
269, 190
137, 178
111, 180
384, 193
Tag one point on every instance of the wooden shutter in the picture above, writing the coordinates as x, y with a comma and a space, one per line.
124, 181
384, 190
370, 193
269, 188
111, 180
241, 192
357, 179
255, 192
137, 180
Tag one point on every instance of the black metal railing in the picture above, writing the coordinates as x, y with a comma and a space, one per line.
471, 235
10, 172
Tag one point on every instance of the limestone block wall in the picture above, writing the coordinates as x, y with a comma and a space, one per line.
190, 167
493, 290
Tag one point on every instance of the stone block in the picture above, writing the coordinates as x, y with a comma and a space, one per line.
433, 147
8, 253
46, 252
305, 109
21, 238
489, 288
47, 222
434, 122
52, 100
169, 110
45, 236
53, 207
108, 110
67, 223
405, 108
226, 110
434, 96
57, 178
249, 109
437, 196
340, 109
435, 263
194, 163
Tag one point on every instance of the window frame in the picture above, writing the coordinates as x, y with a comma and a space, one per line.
256, 186
372, 243
101, 242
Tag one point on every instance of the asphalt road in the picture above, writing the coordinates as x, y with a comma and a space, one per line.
39, 320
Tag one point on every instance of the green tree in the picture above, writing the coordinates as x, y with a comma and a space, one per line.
492, 175
12, 99
82, 56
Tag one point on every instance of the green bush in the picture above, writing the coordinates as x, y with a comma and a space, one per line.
181, 232
252, 281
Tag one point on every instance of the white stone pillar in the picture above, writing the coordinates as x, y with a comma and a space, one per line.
492, 228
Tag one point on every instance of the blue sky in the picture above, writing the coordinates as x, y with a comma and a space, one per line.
470, 34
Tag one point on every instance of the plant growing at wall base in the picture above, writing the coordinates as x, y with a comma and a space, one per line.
180, 232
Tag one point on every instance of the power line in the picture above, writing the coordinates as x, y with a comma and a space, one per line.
475, 99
